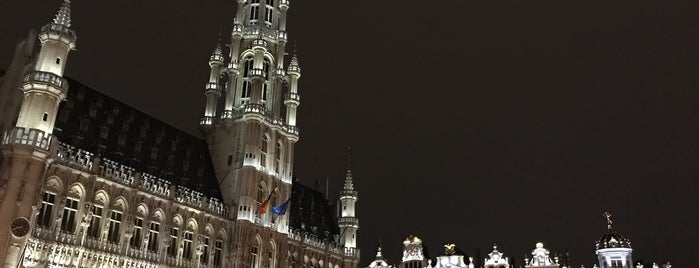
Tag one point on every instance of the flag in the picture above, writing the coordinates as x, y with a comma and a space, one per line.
281, 209
265, 204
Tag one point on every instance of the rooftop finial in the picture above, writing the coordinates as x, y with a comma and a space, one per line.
608, 216
63, 15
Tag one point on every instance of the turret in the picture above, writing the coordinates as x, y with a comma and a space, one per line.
44, 87
348, 221
292, 99
613, 249
213, 91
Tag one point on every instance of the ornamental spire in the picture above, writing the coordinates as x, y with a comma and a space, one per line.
348, 177
63, 15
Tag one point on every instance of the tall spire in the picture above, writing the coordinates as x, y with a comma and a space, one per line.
348, 177
63, 15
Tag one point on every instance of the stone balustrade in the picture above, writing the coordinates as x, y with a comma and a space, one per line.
29, 137
46, 78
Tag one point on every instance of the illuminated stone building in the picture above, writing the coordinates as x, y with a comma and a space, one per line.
88, 181
613, 251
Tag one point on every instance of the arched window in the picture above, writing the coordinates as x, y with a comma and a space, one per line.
70, 211
97, 212
260, 193
263, 151
154, 231
137, 236
271, 255
254, 255
115, 218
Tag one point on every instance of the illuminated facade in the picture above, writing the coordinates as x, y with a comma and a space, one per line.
88, 181
613, 251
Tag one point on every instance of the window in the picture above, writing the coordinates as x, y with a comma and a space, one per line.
46, 117
137, 232
270, 258
263, 151
114, 226
47, 203
70, 212
94, 229
187, 252
153, 237
269, 11
616, 263
247, 88
204, 259
249, 63
172, 250
254, 11
253, 257
278, 151
58, 60
218, 249
230, 159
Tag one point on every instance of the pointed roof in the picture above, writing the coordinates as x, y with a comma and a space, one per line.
63, 15
349, 185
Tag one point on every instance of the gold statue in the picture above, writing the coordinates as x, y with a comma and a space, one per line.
449, 249
609, 219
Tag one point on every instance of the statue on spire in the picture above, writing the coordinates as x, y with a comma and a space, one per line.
608, 216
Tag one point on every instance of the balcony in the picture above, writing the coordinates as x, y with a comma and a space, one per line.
348, 221
58, 31
206, 120
257, 73
292, 98
237, 30
259, 44
29, 137
282, 36
74, 157
352, 252
284, 4
46, 78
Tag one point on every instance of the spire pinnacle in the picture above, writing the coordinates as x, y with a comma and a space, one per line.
63, 15
348, 177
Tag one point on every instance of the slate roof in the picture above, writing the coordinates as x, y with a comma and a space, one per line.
107, 127
310, 212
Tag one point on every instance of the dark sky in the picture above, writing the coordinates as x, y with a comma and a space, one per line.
471, 122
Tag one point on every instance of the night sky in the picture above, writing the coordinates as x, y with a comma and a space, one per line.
470, 122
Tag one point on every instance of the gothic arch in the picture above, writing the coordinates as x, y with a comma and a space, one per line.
221, 234
101, 198
177, 220
209, 230
192, 225
54, 184
76, 190
121, 204
142, 210
158, 215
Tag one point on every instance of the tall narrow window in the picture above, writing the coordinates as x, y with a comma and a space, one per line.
230, 159
204, 259
247, 68
278, 160
187, 250
269, 11
172, 250
263, 151
264, 91
95, 224
46, 117
114, 226
218, 249
247, 88
47, 202
270, 258
153, 238
58, 60
253, 257
254, 11
70, 212
137, 232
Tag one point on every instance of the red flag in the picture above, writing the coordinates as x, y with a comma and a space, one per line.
265, 204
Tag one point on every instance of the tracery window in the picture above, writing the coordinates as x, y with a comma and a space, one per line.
187, 252
153, 237
48, 200
114, 226
254, 11
137, 232
263, 151
204, 259
269, 11
70, 212
95, 223
218, 249
172, 250
253, 256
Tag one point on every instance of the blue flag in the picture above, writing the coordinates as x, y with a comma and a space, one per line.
281, 209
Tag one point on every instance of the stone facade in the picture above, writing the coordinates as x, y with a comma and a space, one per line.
88, 181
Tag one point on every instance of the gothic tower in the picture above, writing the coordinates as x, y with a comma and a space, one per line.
347, 220
251, 140
26, 149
